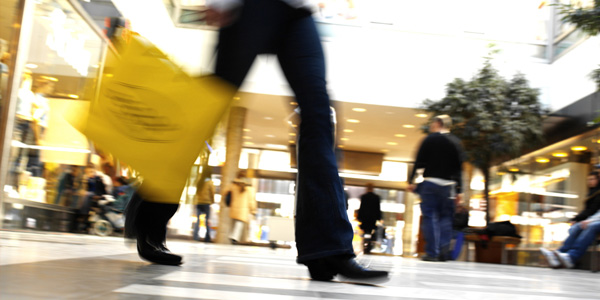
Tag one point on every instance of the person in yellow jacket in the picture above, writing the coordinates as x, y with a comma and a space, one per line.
242, 204
205, 196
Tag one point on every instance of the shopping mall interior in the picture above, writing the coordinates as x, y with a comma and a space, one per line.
384, 59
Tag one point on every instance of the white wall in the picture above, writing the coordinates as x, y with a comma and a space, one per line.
378, 65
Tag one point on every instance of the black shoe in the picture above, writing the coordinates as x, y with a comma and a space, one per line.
429, 258
324, 269
157, 254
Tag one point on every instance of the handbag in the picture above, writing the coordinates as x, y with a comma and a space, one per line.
154, 117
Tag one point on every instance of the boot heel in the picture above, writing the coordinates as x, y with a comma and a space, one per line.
319, 270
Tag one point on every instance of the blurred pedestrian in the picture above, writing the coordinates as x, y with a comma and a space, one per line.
241, 206
205, 196
369, 213
441, 155
286, 28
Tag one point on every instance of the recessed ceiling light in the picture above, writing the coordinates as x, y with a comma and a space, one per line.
358, 109
109, 75
344, 139
291, 142
292, 134
400, 135
560, 154
294, 125
73, 96
348, 130
246, 129
247, 137
268, 118
248, 143
392, 143
542, 160
236, 98
294, 103
514, 169
408, 126
578, 148
421, 115
270, 136
341, 146
353, 121
31, 66
385, 150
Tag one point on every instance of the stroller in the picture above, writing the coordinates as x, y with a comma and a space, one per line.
109, 217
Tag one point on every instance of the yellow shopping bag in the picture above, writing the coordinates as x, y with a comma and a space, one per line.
154, 117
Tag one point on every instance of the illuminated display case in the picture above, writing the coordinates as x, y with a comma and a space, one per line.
58, 64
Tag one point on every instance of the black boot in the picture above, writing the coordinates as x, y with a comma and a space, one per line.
324, 269
147, 223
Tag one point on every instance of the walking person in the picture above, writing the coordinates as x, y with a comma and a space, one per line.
205, 196
242, 204
441, 156
369, 213
286, 28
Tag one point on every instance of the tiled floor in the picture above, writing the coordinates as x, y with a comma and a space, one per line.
65, 266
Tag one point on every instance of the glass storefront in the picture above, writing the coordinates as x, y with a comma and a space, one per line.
59, 61
541, 191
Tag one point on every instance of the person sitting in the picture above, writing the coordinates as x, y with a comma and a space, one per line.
584, 231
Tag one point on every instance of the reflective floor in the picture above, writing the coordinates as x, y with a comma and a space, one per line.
67, 266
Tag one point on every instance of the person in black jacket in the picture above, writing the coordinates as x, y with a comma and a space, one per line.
441, 155
592, 203
369, 213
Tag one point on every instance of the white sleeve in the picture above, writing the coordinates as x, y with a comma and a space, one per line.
223, 5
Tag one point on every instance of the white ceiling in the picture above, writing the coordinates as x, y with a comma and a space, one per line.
268, 114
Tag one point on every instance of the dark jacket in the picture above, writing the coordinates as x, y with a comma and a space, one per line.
592, 205
442, 156
370, 210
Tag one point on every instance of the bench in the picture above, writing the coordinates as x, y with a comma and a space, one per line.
496, 242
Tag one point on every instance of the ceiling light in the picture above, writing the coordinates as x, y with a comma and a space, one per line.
268, 118
578, 148
292, 134
353, 121
236, 98
560, 154
246, 129
294, 103
392, 143
358, 109
344, 139
514, 169
291, 142
31, 66
348, 130
247, 137
421, 115
109, 75
384, 150
408, 126
340, 146
294, 125
248, 143
270, 136
400, 135
542, 160
73, 96
500, 173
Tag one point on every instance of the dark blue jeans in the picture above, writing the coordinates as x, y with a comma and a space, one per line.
580, 239
438, 211
271, 26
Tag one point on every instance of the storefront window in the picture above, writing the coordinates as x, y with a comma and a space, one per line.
63, 58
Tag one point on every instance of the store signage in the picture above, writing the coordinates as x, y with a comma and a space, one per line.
67, 43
